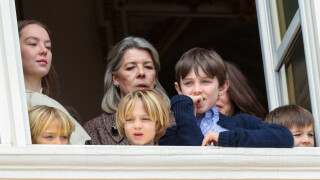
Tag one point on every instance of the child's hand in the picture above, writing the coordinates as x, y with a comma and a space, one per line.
211, 137
196, 100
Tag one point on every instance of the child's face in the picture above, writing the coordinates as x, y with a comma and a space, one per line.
225, 105
139, 128
303, 137
201, 85
52, 135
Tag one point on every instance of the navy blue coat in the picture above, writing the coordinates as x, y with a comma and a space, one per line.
244, 130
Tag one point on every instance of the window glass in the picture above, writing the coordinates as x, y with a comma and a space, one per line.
286, 11
296, 73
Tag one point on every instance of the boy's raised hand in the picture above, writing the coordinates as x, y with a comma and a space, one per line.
196, 100
211, 137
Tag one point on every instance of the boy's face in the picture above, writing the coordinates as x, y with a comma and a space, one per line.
202, 85
139, 128
52, 135
303, 137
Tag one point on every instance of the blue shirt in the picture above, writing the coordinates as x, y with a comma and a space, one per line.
208, 122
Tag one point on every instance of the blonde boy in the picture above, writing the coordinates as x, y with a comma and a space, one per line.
49, 125
298, 120
142, 117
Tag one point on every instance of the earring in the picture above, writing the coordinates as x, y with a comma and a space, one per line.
221, 93
117, 86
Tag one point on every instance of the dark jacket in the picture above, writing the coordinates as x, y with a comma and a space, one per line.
244, 130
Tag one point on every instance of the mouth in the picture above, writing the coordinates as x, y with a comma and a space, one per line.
219, 107
138, 134
142, 86
42, 62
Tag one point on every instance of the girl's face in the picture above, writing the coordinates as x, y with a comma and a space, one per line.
139, 128
225, 105
52, 135
35, 51
136, 72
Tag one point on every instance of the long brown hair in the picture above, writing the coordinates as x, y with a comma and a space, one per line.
241, 94
49, 82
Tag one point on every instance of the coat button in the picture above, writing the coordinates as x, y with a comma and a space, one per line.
114, 130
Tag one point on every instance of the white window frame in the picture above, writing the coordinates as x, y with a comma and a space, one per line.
308, 19
14, 127
21, 160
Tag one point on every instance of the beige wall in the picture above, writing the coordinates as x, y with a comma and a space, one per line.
76, 51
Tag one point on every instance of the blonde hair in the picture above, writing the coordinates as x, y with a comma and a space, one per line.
41, 116
154, 106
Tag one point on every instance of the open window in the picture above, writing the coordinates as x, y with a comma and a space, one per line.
21, 160
289, 53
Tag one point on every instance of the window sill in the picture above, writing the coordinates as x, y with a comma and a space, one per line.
157, 162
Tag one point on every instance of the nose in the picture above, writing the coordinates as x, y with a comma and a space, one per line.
137, 124
141, 71
305, 139
197, 90
58, 141
43, 50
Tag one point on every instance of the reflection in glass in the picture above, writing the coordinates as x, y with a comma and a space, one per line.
296, 73
286, 11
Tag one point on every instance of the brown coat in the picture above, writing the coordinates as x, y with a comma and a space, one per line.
100, 131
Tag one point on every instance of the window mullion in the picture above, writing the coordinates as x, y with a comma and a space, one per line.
266, 38
287, 40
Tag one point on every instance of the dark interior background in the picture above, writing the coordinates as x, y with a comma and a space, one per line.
82, 31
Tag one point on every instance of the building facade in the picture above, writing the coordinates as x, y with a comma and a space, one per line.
290, 44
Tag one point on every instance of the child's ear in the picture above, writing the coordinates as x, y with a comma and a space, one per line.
223, 89
176, 85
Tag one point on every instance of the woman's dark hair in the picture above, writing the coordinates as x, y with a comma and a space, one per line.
241, 94
49, 82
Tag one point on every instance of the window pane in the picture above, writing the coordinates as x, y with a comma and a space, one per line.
286, 11
296, 72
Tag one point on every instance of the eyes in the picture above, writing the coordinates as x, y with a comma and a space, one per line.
142, 119
35, 44
51, 138
190, 82
148, 66
300, 134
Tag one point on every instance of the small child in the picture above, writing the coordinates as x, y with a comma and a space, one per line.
200, 80
49, 125
142, 117
298, 120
